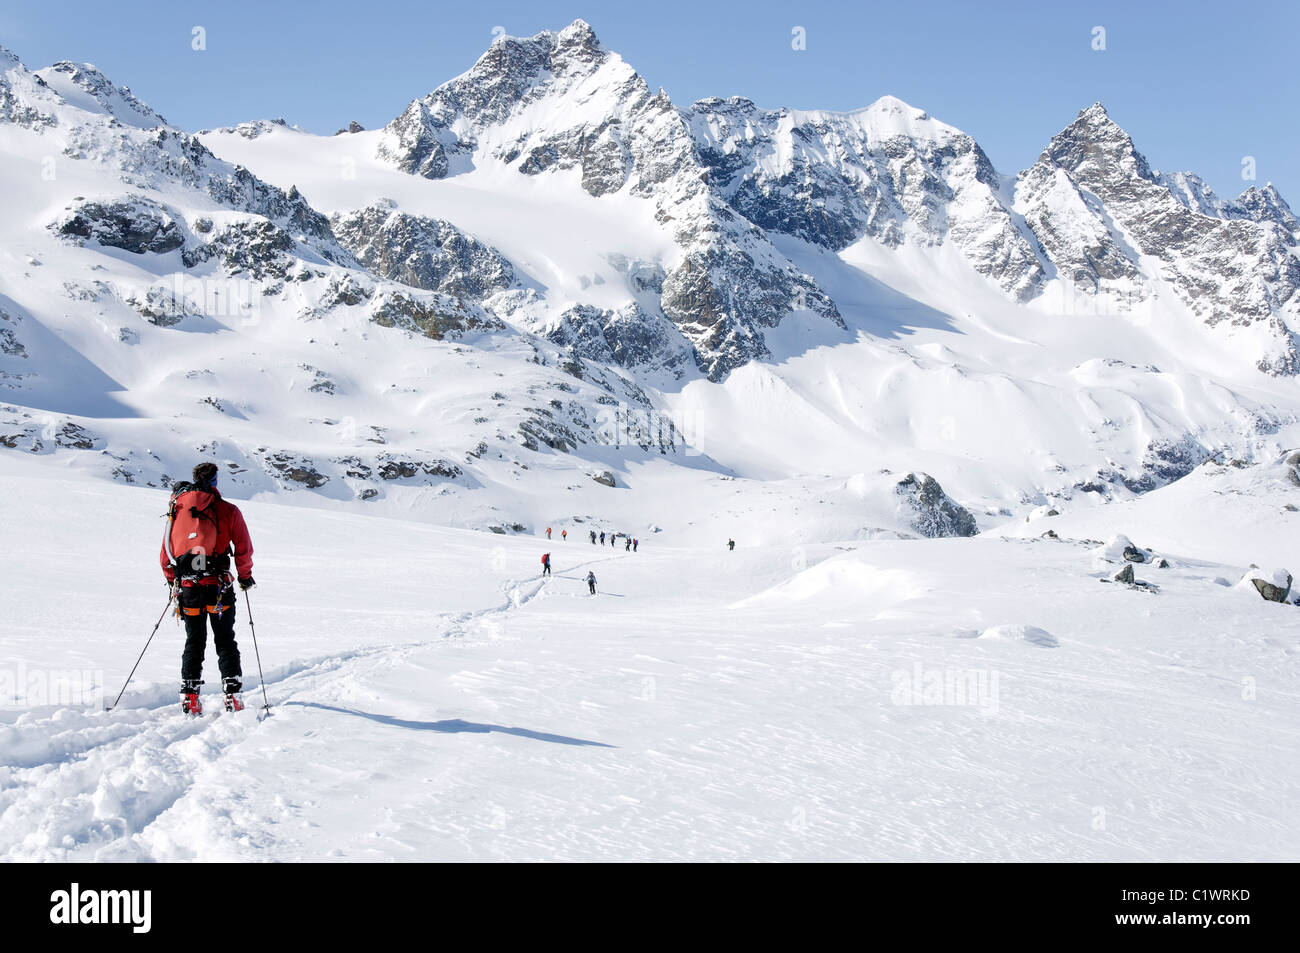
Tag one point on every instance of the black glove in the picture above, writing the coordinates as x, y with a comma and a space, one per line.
246, 582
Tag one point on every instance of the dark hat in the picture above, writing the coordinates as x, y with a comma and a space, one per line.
205, 474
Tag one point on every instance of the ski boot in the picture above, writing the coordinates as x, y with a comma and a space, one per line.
190, 703
232, 687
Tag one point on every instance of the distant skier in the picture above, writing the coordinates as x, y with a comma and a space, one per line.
203, 532
591, 582
593, 537
627, 546
731, 544
564, 535
635, 544
548, 532
602, 537
546, 564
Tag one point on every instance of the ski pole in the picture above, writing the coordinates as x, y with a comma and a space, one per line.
266, 706
170, 595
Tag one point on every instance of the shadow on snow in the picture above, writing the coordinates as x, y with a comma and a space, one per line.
454, 726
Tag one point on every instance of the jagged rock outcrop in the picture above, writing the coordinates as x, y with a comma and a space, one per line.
289, 468
20, 430
254, 247
544, 426
423, 252
393, 468
434, 316
627, 336
934, 512
9, 343
163, 307
135, 224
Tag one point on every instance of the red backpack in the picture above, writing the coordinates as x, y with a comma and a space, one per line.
192, 532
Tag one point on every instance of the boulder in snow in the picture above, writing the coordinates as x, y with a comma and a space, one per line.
1126, 577
1274, 585
1121, 549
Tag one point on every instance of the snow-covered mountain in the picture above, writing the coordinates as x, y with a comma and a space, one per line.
1233, 263
560, 103
544, 271
1003, 457
888, 172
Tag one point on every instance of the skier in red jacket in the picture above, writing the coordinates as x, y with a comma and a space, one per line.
204, 533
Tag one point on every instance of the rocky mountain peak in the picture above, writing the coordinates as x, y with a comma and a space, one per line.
578, 36
86, 86
25, 99
1095, 146
1229, 263
888, 105
1267, 205
509, 67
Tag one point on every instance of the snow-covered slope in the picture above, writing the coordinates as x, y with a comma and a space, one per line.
958, 699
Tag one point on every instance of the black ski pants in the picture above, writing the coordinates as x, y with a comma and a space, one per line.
199, 605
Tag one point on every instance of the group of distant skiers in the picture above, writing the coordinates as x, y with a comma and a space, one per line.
630, 545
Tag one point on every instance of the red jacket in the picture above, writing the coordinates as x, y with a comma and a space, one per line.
231, 530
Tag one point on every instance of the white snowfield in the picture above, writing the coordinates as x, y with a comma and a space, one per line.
433, 698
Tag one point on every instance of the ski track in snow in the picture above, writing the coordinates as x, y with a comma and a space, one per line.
87, 785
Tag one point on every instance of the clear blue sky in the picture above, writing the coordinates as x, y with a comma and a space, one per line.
1198, 85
